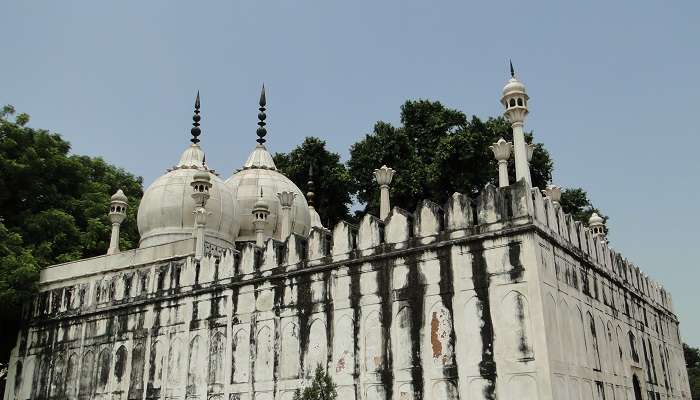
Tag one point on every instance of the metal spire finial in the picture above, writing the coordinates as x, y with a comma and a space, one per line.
512, 70
261, 132
310, 195
195, 125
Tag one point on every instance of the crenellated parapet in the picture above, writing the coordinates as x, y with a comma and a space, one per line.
578, 238
118, 278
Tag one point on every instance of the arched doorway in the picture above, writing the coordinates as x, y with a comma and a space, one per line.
637, 387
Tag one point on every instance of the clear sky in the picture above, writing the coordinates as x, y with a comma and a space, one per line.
614, 90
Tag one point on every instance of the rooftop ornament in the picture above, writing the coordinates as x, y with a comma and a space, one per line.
501, 151
196, 131
261, 131
384, 175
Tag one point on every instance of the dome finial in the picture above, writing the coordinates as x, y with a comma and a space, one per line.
261, 132
310, 195
195, 125
512, 70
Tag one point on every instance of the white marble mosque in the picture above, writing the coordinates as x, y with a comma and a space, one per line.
237, 292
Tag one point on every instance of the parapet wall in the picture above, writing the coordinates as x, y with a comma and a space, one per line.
494, 210
550, 218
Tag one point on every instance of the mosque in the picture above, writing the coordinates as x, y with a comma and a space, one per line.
238, 292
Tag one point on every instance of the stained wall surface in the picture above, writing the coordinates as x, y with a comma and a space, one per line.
503, 297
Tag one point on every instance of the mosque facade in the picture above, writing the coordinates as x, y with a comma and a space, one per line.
238, 292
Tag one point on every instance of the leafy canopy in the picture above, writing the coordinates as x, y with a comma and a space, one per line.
53, 209
436, 151
321, 387
332, 180
575, 201
692, 362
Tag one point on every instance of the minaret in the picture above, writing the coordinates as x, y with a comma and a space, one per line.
286, 201
117, 214
201, 183
514, 100
260, 213
597, 226
501, 151
311, 200
384, 176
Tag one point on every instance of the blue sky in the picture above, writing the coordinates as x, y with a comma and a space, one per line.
614, 90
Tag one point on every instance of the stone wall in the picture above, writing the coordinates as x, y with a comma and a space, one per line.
607, 323
473, 300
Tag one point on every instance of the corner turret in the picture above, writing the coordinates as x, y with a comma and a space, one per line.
117, 215
261, 211
514, 98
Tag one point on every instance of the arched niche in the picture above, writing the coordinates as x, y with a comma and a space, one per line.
240, 370
290, 350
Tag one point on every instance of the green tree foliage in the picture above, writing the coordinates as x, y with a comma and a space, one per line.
332, 181
53, 209
436, 151
692, 362
321, 387
575, 201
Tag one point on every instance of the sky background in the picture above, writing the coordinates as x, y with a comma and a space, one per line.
614, 90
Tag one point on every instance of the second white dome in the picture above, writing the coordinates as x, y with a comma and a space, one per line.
259, 172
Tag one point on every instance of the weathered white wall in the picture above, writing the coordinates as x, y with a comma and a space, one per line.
605, 321
469, 301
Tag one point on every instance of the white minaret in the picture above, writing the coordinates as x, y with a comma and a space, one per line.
384, 176
515, 99
501, 151
117, 214
201, 183
260, 213
597, 225
286, 200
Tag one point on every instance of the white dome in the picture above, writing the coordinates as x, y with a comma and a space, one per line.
165, 213
119, 196
595, 219
514, 86
260, 172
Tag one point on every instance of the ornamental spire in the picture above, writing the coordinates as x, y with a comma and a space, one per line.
310, 195
512, 70
261, 131
195, 125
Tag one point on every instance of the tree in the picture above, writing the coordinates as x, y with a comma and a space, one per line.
436, 151
331, 179
321, 388
692, 362
575, 201
53, 209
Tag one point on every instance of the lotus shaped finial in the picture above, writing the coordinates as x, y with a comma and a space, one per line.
501, 149
384, 175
